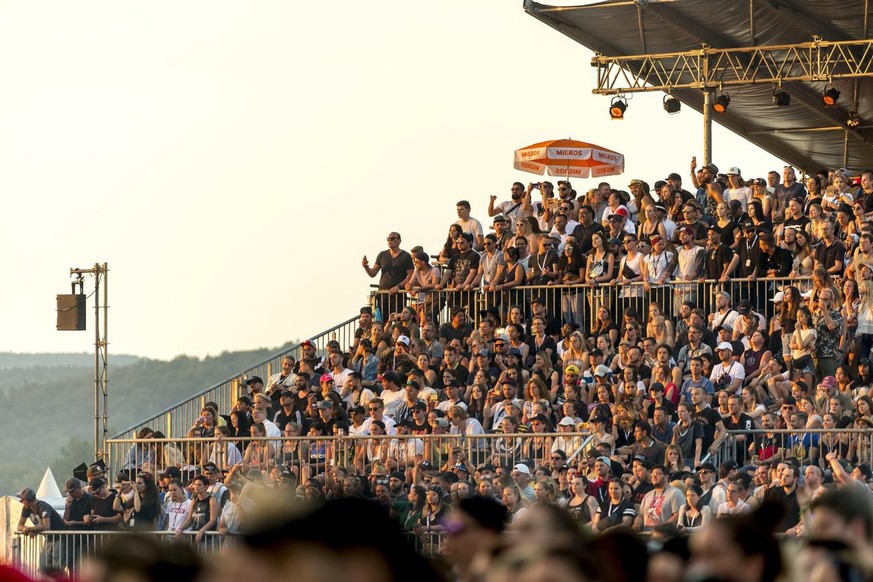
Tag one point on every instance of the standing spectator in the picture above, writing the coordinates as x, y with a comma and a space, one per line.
77, 506
828, 325
470, 225
690, 266
176, 505
786, 494
513, 209
831, 253
713, 427
789, 189
396, 267
203, 511
43, 517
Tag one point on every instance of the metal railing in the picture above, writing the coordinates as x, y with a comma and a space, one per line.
807, 446
579, 303
66, 550
309, 456
175, 420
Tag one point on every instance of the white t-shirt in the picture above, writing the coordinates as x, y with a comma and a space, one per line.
743, 194
177, 512
471, 226
392, 401
390, 425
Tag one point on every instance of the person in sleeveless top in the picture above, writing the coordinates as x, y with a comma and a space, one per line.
203, 512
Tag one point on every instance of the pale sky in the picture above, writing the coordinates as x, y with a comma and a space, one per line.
232, 162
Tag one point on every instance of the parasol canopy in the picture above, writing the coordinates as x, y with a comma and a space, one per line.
569, 158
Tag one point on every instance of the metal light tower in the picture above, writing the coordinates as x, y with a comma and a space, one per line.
71, 317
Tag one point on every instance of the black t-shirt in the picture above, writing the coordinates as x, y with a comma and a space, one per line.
583, 234
200, 513
708, 418
449, 332
717, 260
40, 512
640, 491
76, 510
393, 269
832, 255
462, 264
103, 508
744, 423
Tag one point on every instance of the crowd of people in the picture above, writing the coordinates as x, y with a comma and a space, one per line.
663, 360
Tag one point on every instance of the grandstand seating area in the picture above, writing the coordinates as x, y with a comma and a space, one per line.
709, 345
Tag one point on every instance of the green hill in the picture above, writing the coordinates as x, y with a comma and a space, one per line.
47, 405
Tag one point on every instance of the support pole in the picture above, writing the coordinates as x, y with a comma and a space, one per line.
707, 127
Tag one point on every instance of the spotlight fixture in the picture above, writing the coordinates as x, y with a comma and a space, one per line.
781, 97
854, 119
721, 103
830, 96
617, 107
671, 104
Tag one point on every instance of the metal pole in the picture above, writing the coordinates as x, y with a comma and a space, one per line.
105, 378
707, 127
97, 448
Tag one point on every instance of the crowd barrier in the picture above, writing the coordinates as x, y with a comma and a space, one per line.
807, 446
68, 549
177, 419
579, 304
308, 456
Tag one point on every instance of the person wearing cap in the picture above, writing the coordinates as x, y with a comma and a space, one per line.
255, 385
404, 453
737, 189
457, 328
396, 267
460, 274
522, 476
719, 256
43, 517
365, 327
104, 515
709, 191
77, 506
728, 374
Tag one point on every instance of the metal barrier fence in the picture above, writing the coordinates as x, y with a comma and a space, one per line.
67, 550
807, 446
580, 303
308, 456
177, 419
59, 550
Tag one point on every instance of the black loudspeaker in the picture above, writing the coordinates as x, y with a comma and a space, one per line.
71, 312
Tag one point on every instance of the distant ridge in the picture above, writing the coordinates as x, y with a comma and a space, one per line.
9, 360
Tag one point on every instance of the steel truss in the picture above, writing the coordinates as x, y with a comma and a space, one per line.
709, 68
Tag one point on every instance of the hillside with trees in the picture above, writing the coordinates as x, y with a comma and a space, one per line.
47, 404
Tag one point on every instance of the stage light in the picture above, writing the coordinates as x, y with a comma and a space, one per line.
617, 107
781, 98
854, 119
671, 104
721, 103
830, 97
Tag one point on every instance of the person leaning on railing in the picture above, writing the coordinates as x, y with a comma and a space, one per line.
203, 511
